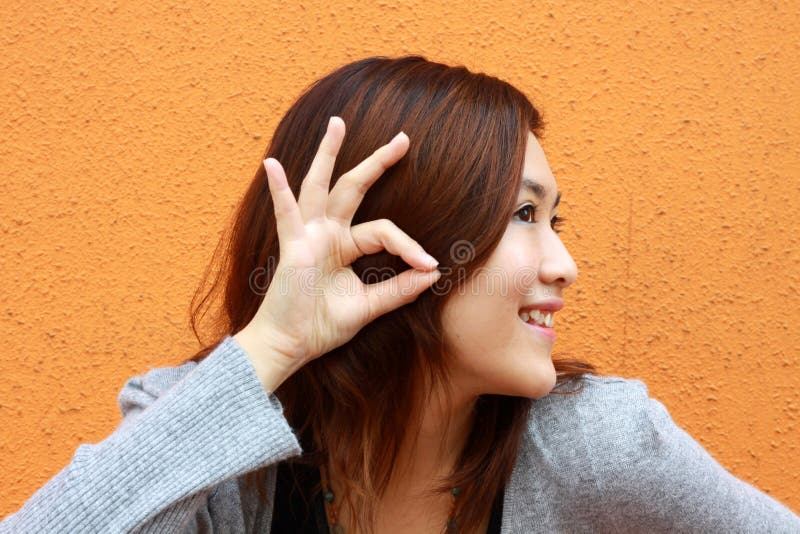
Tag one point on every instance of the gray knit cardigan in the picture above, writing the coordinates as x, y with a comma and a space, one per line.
608, 459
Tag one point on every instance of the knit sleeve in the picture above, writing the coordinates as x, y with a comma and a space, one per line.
185, 431
654, 477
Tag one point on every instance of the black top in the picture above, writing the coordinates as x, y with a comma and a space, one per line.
293, 513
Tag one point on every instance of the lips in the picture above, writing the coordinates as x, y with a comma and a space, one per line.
539, 317
544, 331
549, 305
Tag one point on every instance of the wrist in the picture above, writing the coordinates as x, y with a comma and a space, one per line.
271, 367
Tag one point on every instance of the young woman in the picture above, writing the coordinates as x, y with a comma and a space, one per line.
355, 385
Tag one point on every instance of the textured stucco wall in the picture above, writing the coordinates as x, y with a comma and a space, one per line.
131, 129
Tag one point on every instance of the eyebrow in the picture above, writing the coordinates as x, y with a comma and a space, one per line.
538, 189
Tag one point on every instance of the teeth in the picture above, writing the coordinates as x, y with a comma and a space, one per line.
544, 319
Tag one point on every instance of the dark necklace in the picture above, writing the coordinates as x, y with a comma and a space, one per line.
331, 505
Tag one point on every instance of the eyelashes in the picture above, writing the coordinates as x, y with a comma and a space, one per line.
556, 223
528, 211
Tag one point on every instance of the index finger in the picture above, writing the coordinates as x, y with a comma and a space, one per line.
349, 190
314, 188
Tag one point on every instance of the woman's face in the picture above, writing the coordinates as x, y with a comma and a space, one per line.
494, 350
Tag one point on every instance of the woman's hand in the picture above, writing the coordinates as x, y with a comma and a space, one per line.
315, 302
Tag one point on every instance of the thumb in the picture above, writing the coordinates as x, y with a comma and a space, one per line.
399, 290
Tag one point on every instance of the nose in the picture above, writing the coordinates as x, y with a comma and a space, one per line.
557, 266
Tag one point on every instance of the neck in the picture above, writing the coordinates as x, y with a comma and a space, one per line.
426, 455
432, 453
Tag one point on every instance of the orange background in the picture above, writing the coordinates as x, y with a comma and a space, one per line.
131, 130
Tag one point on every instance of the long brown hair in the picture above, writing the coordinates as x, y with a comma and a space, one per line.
456, 184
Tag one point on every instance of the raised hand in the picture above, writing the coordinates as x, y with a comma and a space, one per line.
315, 301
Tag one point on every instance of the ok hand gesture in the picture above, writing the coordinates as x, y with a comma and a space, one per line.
315, 301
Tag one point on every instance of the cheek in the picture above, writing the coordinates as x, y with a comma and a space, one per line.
515, 262
483, 318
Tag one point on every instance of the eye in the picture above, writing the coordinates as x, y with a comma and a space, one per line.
527, 212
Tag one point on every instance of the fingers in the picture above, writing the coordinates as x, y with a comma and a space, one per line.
390, 294
287, 214
314, 188
349, 190
374, 236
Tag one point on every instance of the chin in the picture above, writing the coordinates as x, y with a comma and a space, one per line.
544, 382
540, 382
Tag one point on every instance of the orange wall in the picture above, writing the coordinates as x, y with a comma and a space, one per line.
130, 132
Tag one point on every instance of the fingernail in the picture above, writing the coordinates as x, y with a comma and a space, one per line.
396, 137
430, 260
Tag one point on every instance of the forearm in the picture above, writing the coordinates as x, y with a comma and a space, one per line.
157, 468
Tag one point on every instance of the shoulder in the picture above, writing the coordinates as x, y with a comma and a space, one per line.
576, 436
619, 452
139, 391
614, 434
613, 417
611, 399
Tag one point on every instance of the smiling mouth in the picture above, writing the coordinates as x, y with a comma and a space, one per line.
538, 324
538, 317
